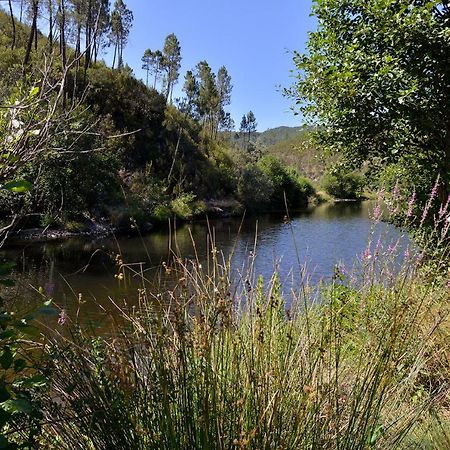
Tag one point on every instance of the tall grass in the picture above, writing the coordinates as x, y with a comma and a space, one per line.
211, 362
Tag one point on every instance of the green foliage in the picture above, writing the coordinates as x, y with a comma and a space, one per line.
162, 213
132, 107
298, 150
343, 185
254, 188
268, 184
19, 380
286, 183
409, 175
185, 207
376, 79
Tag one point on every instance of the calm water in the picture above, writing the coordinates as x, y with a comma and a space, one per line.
318, 239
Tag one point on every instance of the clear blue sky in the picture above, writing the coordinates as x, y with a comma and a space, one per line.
251, 38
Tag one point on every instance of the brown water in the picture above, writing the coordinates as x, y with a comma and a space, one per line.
318, 239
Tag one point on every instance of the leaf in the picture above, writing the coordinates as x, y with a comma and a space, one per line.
4, 393
6, 267
30, 331
35, 381
34, 91
4, 418
5, 445
18, 404
19, 365
17, 186
8, 334
6, 358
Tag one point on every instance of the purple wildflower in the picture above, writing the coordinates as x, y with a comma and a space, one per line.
430, 201
444, 207
393, 248
62, 318
407, 253
376, 215
396, 191
366, 254
435, 189
411, 203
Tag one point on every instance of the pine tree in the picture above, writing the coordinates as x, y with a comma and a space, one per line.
121, 23
172, 63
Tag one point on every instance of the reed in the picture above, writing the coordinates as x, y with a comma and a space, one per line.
214, 362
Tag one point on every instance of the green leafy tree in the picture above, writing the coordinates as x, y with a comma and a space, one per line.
191, 89
121, 23
147, 63
153, 63
208, 96
172, 63
247, 128
224, 88
376, 78
252, 125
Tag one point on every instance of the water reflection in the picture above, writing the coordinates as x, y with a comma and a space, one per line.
318, 238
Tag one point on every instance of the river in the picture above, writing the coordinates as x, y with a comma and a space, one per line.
314, 241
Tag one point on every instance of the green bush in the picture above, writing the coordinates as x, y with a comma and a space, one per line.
409, 175
185, 207
161, 212
299, 189
285, 182
344, 185
255, 188
74, 226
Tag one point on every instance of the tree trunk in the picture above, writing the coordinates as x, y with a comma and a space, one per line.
35, 38
87, 57
13, 23
115, 53
31, 35
50, 25
78, 43
62, 34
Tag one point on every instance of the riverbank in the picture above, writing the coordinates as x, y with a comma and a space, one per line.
230, 354
101, 228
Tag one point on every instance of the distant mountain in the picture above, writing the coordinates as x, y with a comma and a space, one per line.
274, 135
269, 137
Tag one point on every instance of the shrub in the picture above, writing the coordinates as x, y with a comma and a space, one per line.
73, 226
185, 207
344, 185
161, 212
255, 188
299, 189
286, 182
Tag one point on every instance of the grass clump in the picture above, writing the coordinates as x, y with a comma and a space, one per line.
207, 362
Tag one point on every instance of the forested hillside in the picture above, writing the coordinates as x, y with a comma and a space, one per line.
275, 135
98, 145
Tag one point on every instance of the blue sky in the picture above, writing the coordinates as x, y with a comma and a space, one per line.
251, 38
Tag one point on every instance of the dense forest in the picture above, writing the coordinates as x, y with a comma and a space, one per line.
100, 146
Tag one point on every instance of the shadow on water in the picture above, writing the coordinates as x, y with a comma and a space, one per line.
318, 238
